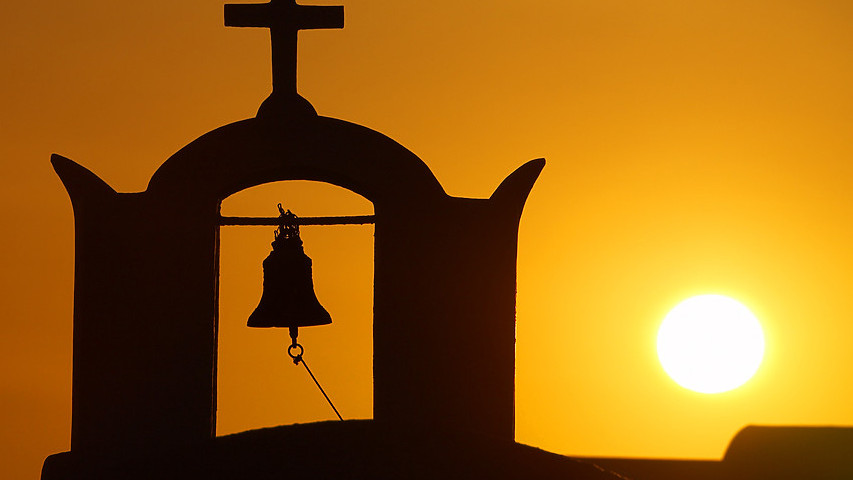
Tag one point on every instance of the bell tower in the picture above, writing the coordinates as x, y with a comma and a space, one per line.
146, 276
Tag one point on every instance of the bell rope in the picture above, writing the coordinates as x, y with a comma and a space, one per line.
297, 359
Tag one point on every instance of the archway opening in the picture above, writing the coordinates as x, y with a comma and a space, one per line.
257, 383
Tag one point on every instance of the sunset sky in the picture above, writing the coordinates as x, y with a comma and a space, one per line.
692, 147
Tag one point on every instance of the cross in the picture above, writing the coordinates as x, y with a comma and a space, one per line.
284, 18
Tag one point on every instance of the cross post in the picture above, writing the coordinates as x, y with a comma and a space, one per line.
284, 18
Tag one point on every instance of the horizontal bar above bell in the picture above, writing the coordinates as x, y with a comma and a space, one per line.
275, 221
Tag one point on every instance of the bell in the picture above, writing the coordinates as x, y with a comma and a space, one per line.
288, 299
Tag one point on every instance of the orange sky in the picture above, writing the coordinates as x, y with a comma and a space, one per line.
692, 147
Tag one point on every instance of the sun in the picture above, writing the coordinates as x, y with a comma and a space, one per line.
710, 344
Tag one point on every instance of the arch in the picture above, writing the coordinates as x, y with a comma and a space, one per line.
257, 384
255, 151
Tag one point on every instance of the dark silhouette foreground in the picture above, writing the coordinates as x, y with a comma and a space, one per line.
366, 449
352, 449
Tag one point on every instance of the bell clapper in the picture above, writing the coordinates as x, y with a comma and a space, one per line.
294, 346
294, 332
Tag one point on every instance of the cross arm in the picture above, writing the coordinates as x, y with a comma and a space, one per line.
298, 17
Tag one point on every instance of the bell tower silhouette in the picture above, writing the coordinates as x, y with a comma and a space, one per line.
146, 277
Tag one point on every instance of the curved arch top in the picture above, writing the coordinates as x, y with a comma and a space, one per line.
256, 151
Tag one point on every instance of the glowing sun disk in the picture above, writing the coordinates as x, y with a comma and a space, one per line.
710, 344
